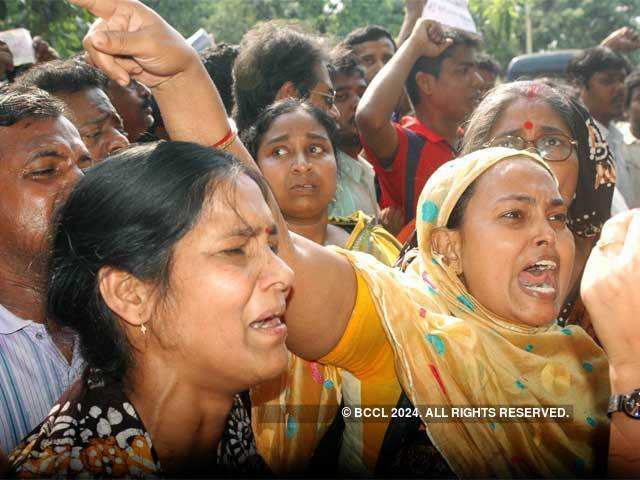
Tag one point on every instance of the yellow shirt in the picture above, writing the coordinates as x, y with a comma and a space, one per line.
365, 351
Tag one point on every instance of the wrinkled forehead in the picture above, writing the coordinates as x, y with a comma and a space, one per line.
30, 135
234, 203
89, 104
461, 54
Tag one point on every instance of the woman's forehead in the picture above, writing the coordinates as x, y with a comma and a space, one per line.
529, 114
236, 205
294, 121
517, 175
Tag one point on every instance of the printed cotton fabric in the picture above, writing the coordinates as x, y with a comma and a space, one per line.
95, 432
451, 351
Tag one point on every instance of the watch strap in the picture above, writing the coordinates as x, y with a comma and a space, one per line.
629, 404
614, 405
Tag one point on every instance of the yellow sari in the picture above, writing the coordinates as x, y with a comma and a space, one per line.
291, 414
451, 351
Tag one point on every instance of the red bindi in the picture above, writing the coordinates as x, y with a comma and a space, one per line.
528, 125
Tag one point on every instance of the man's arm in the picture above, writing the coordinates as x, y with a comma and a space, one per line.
412, 13
373, 116
609, 291
623, 40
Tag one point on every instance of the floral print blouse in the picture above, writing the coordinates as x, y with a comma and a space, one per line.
94, 431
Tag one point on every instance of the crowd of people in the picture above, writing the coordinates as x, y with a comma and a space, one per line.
205, 258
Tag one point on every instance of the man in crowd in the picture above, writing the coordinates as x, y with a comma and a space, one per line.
489, 70
443, 85
275, 62
355, 187
374, 46
629, 179
133, 104
599, 74
82, 87
41, 151
219, 62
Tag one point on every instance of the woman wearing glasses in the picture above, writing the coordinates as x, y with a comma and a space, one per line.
537, 116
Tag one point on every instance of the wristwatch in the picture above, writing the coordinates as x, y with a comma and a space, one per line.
629, 404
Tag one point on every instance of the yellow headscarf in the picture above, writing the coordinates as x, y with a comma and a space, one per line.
451, 351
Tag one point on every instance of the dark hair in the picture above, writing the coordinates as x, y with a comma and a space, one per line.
128, 213
484, 61
593, 60
18, 103
432, 65
486, 114
252, 137
368, 33
457, 213
67, 76
631, 83
270, 55
574, 115
219, 61
343, 61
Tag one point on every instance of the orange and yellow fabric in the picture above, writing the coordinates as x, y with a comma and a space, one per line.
451, 351
291, 414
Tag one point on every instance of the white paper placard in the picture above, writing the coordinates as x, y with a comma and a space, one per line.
21, 45
453, 13
200, 40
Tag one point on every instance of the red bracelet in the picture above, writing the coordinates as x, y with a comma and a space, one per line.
225, 139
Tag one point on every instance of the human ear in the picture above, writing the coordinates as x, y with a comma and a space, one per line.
126, 295
448, 243
287, 90
426, 83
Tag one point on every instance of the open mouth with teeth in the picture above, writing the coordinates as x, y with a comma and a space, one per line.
272, 325
540, 279
304, 189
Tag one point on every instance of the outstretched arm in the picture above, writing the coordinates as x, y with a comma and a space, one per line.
609, 291
132, 41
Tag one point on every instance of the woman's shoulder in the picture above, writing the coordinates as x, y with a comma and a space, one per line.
92, 431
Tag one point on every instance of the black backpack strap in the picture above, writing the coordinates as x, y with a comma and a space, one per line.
414, 149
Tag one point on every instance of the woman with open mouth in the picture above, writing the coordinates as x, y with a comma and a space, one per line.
471, 321
541, 117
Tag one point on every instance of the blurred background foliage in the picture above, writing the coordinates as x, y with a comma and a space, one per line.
556, 24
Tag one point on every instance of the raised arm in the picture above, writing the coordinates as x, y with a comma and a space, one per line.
381, 97
609, 290
412, 13
132, 41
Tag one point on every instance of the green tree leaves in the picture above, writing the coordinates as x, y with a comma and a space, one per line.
556, 23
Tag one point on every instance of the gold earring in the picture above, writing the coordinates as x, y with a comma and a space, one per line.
143, 329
